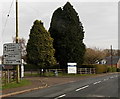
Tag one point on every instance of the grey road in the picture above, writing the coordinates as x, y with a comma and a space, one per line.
98, 87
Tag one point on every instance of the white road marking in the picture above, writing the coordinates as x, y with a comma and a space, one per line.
82, 88
112, 77
106, 79
96, 82
60, 96
97, 96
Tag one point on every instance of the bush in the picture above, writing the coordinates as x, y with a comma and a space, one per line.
111, 69
49, 74
114, 69
29, 67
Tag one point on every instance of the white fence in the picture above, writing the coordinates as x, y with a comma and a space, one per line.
79, 71
86, 71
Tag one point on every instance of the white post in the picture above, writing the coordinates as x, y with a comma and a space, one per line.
8, 75
22, 69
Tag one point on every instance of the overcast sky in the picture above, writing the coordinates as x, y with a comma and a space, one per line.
99, 19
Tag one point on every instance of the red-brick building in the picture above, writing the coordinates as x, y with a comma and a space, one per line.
114, 61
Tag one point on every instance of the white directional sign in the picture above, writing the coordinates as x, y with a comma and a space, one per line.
72, 69
12, 54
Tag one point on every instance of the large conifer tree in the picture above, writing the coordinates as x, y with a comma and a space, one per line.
68, 34
40, 50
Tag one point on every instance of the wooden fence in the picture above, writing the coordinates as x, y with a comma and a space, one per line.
37, 71
79, 71
86, 70
8, 76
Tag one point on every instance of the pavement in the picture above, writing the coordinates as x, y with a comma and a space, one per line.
42, 82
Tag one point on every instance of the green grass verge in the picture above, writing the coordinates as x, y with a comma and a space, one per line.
51, 74
73, 75
23, 82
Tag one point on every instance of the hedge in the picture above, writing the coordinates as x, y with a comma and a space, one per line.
29, 66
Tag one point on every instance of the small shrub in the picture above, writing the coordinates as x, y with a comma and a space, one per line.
111, 69
49, 74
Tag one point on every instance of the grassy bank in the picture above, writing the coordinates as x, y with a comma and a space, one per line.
73, 75
52, 74
23, 82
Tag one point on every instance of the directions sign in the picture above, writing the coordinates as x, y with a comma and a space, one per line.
12, 54
72, 69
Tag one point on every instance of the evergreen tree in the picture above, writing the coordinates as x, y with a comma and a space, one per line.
68, 34
40, 50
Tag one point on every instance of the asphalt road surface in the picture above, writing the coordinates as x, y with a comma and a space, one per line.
98, 87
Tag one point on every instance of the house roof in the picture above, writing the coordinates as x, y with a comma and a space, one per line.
115, 59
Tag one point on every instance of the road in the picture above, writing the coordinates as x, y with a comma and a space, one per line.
105, 86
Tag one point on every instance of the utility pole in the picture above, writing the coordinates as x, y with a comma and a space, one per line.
118, 57
111, 57
17, 68
118, 53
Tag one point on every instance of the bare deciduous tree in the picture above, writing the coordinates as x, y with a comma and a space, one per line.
93, 55
22, 42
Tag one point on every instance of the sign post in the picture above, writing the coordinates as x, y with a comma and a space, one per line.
72, 69
22, 69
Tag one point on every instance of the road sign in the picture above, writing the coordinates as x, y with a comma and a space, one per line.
12, 54
72, 69
8, 67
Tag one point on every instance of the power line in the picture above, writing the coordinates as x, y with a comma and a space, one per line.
7, 17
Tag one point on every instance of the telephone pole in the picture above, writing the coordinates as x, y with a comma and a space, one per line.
17, 68
111, 57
